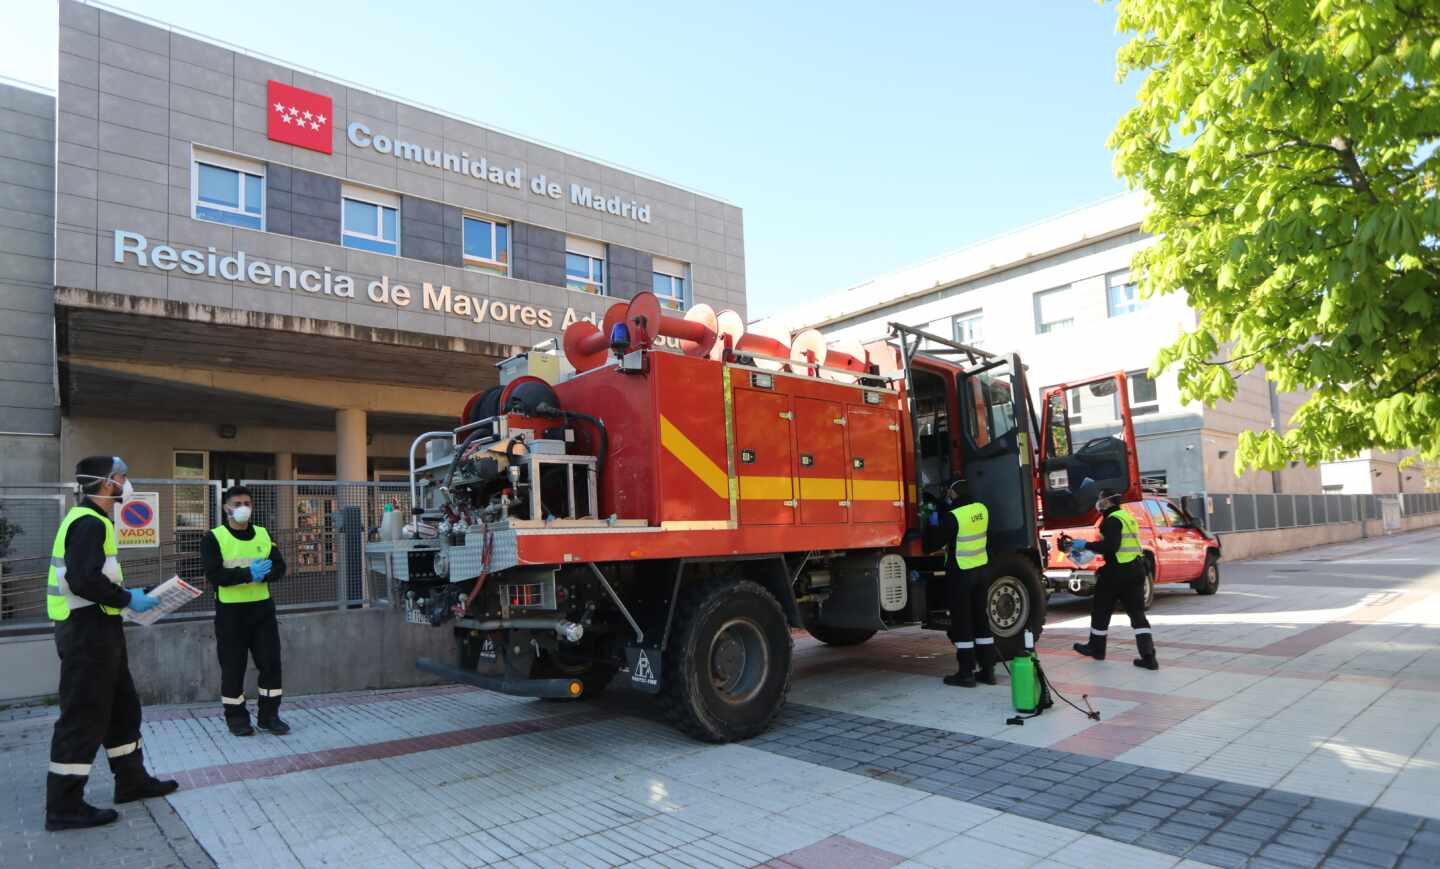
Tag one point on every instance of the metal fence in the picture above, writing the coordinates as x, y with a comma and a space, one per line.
319, 526
1235, 512
1420, 503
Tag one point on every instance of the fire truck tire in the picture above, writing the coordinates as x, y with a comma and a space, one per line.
1014, 604
727, 669
839, 636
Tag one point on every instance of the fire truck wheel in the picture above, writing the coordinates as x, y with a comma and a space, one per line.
727, 669
1014, 604
839, 636
594, 675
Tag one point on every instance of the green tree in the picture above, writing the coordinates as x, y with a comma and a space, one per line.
1288, 148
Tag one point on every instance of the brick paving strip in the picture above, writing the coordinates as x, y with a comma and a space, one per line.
1183, 815
201, 777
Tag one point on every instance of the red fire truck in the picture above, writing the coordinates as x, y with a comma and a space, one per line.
673, 515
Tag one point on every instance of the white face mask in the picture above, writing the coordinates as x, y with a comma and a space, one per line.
127, 491
240, 514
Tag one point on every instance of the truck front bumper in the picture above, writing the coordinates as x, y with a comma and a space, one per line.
1073, 581
502, 685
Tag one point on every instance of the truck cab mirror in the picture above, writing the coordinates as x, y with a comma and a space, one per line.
1193, 507
1103, 388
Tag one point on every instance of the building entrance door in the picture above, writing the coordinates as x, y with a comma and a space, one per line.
226, 467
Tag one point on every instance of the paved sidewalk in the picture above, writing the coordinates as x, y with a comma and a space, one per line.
1294, 723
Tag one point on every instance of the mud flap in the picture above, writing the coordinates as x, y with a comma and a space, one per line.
644, 664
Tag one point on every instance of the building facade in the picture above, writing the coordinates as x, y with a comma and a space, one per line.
1060, 294
222, 266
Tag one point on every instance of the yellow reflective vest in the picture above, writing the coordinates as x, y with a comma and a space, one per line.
239, 553
59, 600
972, 522
1129, 537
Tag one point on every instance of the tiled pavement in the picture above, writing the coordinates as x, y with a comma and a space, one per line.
1294, 723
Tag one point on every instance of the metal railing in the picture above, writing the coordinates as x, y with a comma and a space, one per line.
319, 526
1237, 512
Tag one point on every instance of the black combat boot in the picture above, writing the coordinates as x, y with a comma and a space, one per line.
273, 724
965, 676
79, 817
985, 674
1145, 644
1095, 648
133, 783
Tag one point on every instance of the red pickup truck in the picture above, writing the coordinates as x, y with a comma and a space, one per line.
1176, 549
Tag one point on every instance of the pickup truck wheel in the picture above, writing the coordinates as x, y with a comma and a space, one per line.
1149, 582
1014, 604
839, 636
1209, 581
727, 669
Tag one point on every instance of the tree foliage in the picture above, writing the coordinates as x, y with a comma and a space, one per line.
1288, 149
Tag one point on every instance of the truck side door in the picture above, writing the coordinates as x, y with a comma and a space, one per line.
1168, 555
995, 441
1071, 475
1189, 544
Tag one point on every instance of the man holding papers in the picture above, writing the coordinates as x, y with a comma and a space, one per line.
241, 561
98, 703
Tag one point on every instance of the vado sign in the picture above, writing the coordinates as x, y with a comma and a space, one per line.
139, 521
135, 249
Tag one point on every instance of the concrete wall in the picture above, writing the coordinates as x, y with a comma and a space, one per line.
323, 652
29, 412
136, 100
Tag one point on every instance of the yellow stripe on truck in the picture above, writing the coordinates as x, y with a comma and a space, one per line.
693, 458
875, 490
822, 489
759, 488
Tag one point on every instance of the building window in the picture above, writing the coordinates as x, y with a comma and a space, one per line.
669, 284
1054, 310
1154, 481
370, 220
1123, 293
487, 245
585, 265
1144, 398
228, 190
969, 327
1074, 396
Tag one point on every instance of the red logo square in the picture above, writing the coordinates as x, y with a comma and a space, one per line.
300, 117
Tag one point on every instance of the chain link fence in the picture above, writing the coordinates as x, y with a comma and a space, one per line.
320, 528
1234, 512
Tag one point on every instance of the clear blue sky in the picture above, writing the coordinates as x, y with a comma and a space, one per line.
857, 137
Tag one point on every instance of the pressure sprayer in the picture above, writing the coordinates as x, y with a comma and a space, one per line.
1030, 689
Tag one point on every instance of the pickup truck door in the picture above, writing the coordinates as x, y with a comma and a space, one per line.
1072, 475
995, 434
1188, 544
1169, 547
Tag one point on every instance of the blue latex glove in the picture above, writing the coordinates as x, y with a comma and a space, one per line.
140, 601
260, 569
1077, 545
934, 520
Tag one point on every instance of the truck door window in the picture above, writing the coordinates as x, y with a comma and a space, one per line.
932, 419
1157, 514
1172, 516
992, 401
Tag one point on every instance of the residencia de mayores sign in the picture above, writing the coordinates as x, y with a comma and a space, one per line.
135, 249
